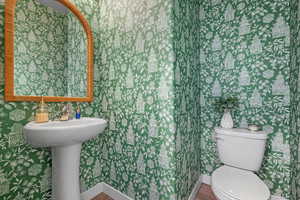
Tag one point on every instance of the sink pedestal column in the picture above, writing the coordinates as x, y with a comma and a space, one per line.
65, 172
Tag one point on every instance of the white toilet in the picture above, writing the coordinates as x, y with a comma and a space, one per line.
241, 151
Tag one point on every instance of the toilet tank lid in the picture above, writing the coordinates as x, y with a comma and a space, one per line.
242, 132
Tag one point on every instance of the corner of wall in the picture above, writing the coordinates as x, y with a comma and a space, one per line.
195, 189
105, 188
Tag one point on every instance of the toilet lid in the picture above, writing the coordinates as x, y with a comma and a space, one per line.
239, 184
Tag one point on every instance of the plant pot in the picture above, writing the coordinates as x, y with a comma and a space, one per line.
226, 121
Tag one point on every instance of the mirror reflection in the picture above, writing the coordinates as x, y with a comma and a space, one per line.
50, 50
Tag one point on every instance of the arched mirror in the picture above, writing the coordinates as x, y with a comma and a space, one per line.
48, 52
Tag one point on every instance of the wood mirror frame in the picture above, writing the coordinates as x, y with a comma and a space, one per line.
9, 57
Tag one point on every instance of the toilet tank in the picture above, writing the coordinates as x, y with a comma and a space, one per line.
241, 148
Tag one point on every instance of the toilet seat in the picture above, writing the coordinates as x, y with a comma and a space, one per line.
221, 195
229, 183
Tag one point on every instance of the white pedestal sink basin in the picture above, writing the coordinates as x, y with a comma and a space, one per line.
65, 139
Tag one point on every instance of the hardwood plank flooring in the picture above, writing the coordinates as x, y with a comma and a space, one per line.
102, 196
205, 193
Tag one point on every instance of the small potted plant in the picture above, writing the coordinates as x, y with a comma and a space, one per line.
226, 105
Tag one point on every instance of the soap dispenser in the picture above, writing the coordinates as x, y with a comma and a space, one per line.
77, 112
42, 114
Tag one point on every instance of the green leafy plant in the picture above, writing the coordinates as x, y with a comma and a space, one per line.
228, 103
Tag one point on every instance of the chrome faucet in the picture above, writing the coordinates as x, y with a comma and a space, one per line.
66, 113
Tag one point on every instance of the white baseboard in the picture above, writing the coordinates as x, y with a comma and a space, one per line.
195, 189
207, 180
92, 192
116, 194
113, 193
107, 189
277, 198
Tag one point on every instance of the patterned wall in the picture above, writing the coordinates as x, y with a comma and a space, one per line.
148, 89
25, 173
136, 78
245, 53
187, 94
40, 49
55, 60
295, 84
76, 60
133, 79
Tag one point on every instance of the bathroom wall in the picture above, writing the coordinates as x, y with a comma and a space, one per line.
25, 173
56, 60
149, 79
134, 91
294, 83
36, 46
187, 95
135, 81
76, 57
148, 89
245, 50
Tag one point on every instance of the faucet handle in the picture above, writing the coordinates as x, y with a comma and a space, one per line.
66, 112
69, 111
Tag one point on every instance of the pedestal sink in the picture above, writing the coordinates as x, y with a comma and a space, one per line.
65, 139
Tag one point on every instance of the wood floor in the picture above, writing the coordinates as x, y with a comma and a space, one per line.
102, 196
204, 193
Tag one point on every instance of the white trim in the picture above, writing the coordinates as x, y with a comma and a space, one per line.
92, 192
206, 179
113, 193
2, 2
107, 189
195, 189
277, 198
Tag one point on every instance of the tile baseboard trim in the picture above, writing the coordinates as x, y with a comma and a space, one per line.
207, 180
195, 189
107, 189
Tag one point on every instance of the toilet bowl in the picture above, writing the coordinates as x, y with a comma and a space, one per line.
241, 151
229, 183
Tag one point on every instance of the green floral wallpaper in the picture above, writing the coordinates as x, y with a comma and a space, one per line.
40, 47
25, 173
245, 51
76, 60
137, 95
295, 83
155, 62
186, 29
52, 46
134, 91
